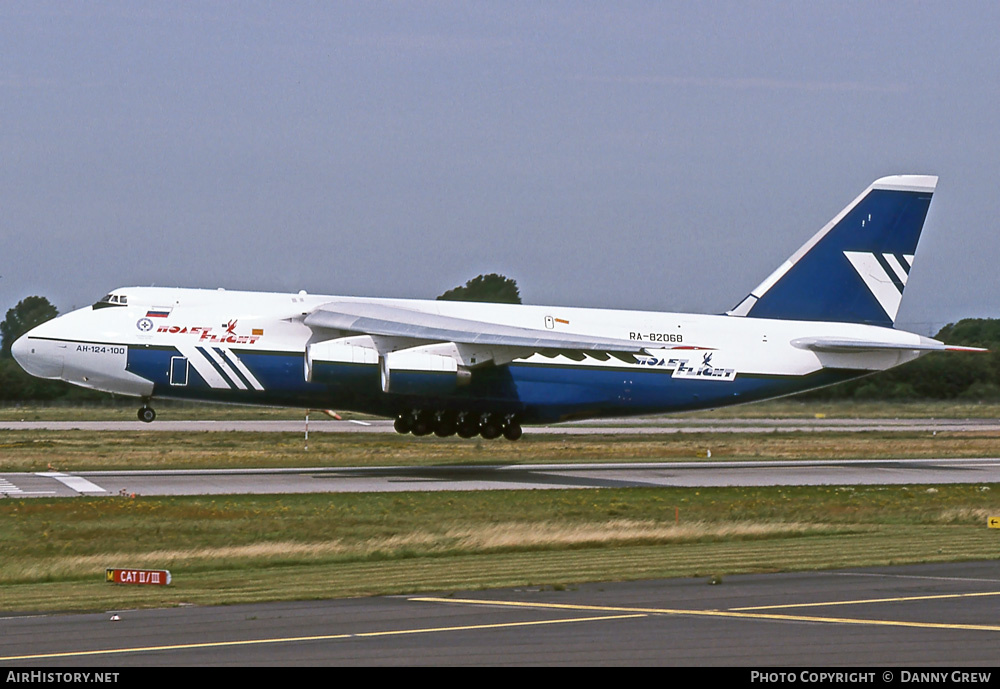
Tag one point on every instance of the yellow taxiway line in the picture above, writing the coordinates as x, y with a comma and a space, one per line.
871, 600
722, 613
322, 637
609, 613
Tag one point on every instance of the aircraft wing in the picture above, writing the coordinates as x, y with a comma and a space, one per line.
418, 327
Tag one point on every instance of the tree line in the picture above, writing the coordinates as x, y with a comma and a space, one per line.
15, 384
937, 376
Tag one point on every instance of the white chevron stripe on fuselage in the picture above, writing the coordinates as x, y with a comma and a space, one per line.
204, 367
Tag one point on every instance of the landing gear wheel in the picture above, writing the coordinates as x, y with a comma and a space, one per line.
445, 424
423, 424
489, 430
146, 414
402, 424
512, 431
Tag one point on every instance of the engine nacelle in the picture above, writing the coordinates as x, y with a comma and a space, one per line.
348, 355
414, 371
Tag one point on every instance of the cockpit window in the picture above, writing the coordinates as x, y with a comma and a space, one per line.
111, 300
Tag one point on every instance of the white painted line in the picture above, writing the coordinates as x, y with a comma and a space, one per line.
9, 490
80, 485
8, 487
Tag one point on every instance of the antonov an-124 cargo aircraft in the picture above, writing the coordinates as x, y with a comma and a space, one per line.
825, 315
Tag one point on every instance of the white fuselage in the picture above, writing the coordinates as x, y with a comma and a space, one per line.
254, 347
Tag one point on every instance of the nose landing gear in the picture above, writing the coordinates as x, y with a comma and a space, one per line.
146, 414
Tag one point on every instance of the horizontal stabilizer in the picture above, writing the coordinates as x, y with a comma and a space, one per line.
827, 344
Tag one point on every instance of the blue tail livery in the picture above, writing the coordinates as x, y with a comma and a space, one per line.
854, 270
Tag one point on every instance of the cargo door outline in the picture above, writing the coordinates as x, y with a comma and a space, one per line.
178, 371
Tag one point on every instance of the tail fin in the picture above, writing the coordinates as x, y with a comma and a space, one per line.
854, 269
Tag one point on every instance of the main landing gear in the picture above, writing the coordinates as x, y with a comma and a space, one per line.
464, 424
146, 414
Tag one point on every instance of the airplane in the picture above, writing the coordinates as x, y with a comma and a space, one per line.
825, 315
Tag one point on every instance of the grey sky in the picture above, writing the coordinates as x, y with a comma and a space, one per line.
660, 155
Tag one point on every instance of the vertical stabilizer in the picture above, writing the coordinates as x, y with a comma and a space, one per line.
854, 270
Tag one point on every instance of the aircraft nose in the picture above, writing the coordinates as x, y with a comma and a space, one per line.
20, 351
41, 358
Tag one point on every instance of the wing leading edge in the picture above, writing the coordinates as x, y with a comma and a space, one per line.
397, 327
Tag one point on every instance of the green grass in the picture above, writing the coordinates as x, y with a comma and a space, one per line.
100, 450
231, 549
254, 548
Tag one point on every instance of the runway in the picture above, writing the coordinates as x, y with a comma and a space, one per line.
499, 477
502, 477
888, 617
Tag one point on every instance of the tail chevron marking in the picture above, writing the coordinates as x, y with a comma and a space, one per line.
885, 286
